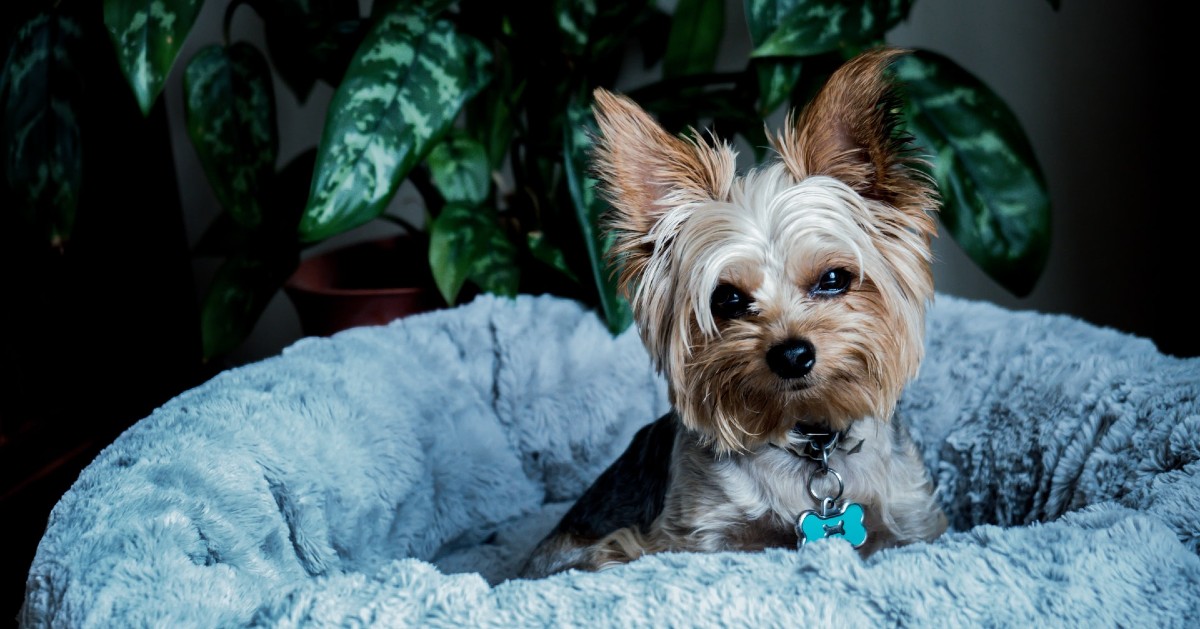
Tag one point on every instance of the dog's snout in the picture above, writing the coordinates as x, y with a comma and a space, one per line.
793, 358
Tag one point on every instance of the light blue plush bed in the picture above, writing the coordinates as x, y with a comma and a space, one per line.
397, 475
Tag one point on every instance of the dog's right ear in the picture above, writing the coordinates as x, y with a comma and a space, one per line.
644, 172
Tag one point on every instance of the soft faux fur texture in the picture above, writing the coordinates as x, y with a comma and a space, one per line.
397, 476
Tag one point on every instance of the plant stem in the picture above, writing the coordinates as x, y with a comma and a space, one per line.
227, 22
433, 200
408, 227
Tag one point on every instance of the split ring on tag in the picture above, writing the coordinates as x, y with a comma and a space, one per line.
841, 486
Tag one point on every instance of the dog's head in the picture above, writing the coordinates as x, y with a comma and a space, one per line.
793, 294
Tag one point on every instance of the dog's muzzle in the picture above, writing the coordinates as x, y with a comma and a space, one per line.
793, 358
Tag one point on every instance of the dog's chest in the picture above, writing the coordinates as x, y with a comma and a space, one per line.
772, 483
755, 500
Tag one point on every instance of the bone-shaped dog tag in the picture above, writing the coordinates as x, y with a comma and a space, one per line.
846, 523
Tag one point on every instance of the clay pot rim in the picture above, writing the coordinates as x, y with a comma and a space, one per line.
301, 285
312, 273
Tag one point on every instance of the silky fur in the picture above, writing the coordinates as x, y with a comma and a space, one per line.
751, 502
845, 193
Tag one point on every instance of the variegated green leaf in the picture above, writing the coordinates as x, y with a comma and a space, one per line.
282, 200
148, 35
239, 293
459, 166
467, 243
776, 79
40, 134
763, 16
995, 202
545, 251
230, 113
694, 40
798, 28
495, 270
574, 19
452, 249
431, 8
589, 209
401, 93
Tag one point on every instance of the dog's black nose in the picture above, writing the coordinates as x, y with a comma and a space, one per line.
793, 358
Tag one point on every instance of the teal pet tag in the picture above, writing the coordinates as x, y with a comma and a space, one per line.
846, 523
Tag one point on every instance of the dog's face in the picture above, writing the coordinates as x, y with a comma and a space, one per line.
794, 294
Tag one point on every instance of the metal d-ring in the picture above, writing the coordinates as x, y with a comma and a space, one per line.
824, 472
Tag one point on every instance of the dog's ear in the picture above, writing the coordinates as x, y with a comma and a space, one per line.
644, 172
849, 131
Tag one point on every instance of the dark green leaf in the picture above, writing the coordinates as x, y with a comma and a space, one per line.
574, 18
223, 237
495, 270
995, 203
589, 208
817, 70
695, 37
401, 93
431, 8
732, 112
545, 251
489, 115
499, 132
230, 113
285, 193
40, 131
282, 201
798, 28
467, 243
648, 35
763, 17
776, 79
459, 166
617, 23
452, 249
148, 35
237, 297
310, 39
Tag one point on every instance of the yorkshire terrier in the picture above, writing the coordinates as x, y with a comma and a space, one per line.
786, 310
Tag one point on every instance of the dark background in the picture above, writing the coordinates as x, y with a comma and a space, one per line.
96, 338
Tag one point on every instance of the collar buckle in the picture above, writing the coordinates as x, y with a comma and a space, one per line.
818, 446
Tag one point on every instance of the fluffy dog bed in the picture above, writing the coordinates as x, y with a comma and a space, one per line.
398, 475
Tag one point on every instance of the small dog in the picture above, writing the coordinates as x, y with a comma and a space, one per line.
786, 309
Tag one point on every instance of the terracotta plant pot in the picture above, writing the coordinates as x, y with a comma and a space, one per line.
368, 283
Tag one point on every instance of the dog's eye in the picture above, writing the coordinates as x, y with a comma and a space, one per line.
832, 282
730, 303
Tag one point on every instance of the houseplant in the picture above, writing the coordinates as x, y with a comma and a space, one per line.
484, 107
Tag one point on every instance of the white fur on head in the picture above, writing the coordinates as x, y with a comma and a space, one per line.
843, 195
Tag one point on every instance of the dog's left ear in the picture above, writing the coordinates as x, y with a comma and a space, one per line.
849, 132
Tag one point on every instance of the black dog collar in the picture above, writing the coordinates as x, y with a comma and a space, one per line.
819, 441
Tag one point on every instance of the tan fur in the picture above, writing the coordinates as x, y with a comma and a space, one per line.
845, 193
